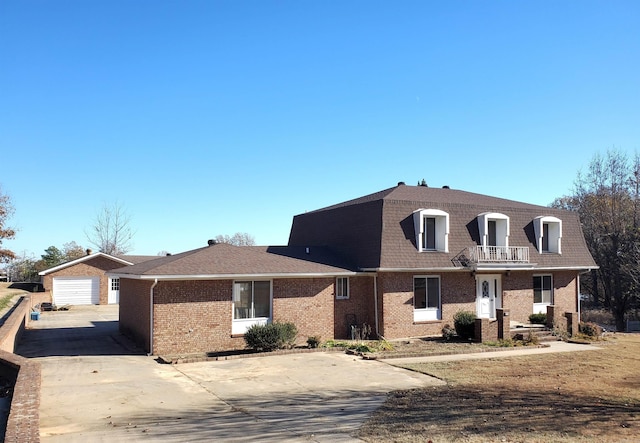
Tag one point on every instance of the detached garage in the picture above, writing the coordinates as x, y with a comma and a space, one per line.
84, 281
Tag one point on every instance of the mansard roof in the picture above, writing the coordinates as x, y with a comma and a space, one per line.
377, 231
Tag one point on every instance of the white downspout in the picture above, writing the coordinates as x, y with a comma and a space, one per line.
151, 317
375, 299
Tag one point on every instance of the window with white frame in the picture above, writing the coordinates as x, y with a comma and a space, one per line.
548, 232
342, 287
494, 229
542, 292
431, 228
115, 284
251, 299
426, 298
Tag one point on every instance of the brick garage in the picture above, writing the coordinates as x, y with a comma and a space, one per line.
92, 266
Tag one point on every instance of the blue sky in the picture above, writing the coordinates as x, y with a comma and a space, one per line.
214, 117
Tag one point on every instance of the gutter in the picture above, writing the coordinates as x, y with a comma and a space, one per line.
375, 300
151, 317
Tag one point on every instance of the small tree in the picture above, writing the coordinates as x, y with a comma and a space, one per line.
6, 233
72, 251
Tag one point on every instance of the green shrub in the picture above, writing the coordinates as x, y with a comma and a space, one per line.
448, 332
271, 336
313, 341
538, 319
590, 329
465, 324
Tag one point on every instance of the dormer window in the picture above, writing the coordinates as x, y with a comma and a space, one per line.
548, 232
494, 229
432, 230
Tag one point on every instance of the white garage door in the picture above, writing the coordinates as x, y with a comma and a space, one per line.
76, 291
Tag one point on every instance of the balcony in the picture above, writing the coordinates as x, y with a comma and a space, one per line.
494, 257
499, 254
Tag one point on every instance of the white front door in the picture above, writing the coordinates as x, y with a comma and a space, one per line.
114, 291
488, 295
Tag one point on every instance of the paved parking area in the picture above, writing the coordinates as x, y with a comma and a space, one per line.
96, 386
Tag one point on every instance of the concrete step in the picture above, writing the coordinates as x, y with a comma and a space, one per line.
542, 334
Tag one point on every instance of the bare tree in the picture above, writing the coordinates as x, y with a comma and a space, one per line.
607, 198
237, 239
6, 233
111, 231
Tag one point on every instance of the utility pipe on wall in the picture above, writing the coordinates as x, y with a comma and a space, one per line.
375, 300
151, 317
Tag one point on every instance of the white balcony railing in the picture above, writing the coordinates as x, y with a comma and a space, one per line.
499, 254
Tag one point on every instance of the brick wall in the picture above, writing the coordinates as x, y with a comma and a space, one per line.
93, 267
134, 310
308, 303
457, 291
23, 423
196, 316
359, 307
518, 294
193, 316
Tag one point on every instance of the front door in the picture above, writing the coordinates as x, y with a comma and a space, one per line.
488, 295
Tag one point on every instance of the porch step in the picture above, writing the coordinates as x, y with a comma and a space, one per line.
542, 334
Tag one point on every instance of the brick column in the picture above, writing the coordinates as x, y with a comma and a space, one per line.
482, 328
551, 316
504, 324
572, 323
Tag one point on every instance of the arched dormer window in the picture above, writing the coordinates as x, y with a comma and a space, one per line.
431, 227
548, 232
494, 229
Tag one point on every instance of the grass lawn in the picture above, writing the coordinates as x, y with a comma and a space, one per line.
567, 397
6, 294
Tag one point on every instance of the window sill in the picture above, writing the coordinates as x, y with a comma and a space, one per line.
427, 322
237, 335
342, 298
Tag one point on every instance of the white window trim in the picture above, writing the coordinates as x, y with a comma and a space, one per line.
502, 228
542, 307
555, 238
428, 314
342, 296
442, 228
239, 326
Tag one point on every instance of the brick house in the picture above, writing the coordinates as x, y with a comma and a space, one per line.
403, 260
85, 281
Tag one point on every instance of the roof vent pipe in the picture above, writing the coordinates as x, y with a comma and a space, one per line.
423, 183
212, 242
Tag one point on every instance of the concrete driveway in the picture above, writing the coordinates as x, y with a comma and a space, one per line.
96, 386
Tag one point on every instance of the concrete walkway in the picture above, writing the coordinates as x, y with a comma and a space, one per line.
553, 347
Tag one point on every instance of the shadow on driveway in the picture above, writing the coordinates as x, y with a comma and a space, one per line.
101, 338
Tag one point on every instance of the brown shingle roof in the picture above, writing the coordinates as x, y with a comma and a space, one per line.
376, 231
221, 260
